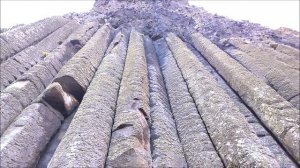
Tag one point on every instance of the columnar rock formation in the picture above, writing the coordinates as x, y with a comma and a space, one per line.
149, 84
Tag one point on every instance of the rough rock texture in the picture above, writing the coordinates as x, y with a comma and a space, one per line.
21, 93
15, 66
219, 113
75, 76
22, 37
149, 83
130, 138
166, 147
278, 114
258, 59
26, 137
197, 146
97, 107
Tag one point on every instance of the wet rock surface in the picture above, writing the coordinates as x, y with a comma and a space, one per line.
152, 83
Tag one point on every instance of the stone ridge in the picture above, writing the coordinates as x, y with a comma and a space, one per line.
153, 83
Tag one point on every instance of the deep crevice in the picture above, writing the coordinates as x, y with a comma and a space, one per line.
122, 126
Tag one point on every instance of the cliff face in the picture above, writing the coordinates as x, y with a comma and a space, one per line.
149, 84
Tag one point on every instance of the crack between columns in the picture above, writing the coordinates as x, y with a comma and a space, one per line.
199, 112
248, 107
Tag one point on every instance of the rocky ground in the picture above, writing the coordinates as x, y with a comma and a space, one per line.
149, 84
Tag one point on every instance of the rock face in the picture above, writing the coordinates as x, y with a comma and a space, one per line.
150, 83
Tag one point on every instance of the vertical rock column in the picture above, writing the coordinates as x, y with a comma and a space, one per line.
277, 74
20, 94
275, 112
16, 40
16, 65
70, 84
130, 141
165, 145
25, 139
86, 141
261, 132
197, 146
232, 135
288, 50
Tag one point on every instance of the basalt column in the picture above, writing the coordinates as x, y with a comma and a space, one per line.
130, 140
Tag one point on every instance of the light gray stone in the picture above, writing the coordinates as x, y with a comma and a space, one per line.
275, 112
22, 93
26, 137
232, 135
197, 146
166, 148
130, 141
94, 117
31, 84
17, 66
76, 75
283, 79
24, 36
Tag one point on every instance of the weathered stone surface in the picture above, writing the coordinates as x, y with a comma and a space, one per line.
17, 66
166, 148
73, 43
283, 61
230, 132
22, 93
94, 117
26, 137
18, 39
286, 50
274, 111
286, 85
76, 75
116, 125
10, 109
54, 142
264, 135
130, 141
34, 81
197, 146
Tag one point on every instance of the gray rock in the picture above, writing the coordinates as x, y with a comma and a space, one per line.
26, 137
76, 75
17, 39
197, 146
130, 141
282, 76
31, 84
166, 148
281, 156
272, 74
18, 64
288, 50
274, 111
10, 109
55, 96
97, 107
229, 131
17, 96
